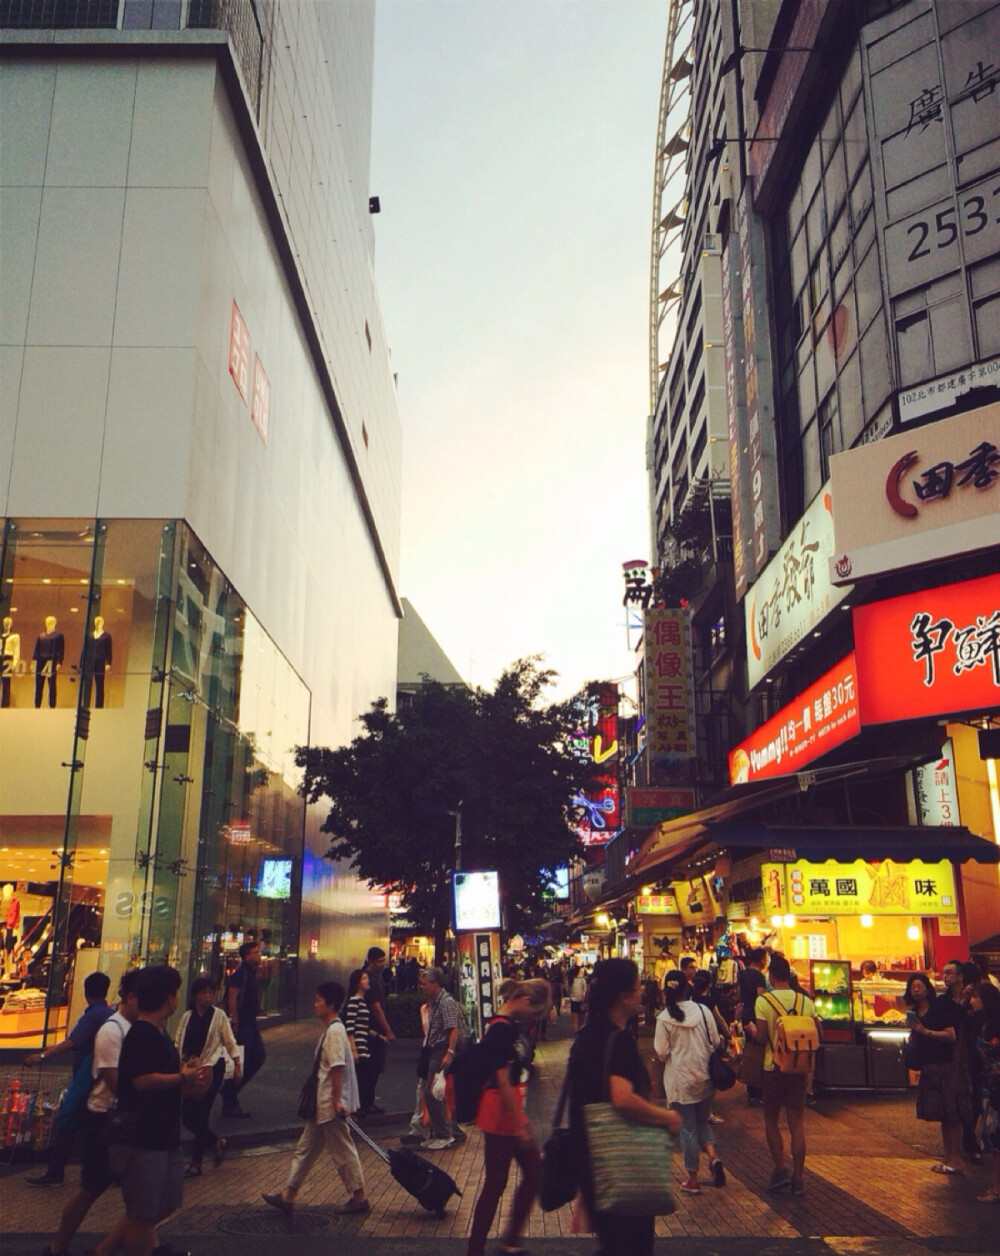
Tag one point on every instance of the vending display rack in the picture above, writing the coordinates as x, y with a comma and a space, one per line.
29, 1106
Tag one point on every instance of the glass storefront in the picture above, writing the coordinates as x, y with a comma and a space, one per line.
148, 804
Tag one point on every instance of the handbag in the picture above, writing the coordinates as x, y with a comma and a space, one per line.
309, 1094
720, 1071
751, 1067
559, 1161
629, 1170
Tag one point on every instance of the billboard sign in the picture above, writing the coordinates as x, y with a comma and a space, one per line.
929, 654
823, 716
794, 592
671, 742
917, 497
885, 888
653, 806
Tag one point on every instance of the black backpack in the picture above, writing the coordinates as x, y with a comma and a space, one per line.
469, 1076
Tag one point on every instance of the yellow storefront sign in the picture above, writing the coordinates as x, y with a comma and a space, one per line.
886, 888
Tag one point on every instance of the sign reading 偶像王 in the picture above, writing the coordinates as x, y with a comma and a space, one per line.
669, 686
656, 904
931, 653
794, 592
823, 716
885, 888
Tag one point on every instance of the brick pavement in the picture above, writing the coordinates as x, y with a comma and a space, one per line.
869, 1192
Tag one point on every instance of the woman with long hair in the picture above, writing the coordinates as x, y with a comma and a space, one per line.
686, 1035
933, 1024
599, 1070
984, 1001
577, 996
507, 1133
205, 1033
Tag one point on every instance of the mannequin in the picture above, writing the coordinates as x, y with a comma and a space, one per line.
10, 914
97, 659
10, 656
46, 659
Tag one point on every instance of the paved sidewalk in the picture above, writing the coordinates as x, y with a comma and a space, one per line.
869, 1189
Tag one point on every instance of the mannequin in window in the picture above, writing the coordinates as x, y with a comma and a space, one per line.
97, 660
10, 914
46, 659
10, 656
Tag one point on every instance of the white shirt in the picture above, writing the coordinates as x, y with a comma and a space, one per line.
107, 1049
336, 1051
685, 1047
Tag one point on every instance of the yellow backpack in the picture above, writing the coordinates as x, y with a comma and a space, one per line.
796, 1037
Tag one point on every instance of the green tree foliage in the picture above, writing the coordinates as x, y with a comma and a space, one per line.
503, 754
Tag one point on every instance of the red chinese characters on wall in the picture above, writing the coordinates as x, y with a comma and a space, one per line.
239, 353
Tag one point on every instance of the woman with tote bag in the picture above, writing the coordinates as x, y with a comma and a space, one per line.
205, 1033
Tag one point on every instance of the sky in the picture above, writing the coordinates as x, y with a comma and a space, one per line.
513, 154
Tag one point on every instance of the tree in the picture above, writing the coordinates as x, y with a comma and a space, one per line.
502, 755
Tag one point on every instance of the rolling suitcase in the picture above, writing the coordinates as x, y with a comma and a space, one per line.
429, 1185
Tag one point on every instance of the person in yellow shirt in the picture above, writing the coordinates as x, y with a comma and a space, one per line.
782, 1090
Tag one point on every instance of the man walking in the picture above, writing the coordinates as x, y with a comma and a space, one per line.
80, 1041
95, 1169
243, 1008
444, 1024
751, 984
382, 1033
783, 1090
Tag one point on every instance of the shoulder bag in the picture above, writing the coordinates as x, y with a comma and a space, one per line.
309, 1094
721, 1073
559, 1159
629, 1164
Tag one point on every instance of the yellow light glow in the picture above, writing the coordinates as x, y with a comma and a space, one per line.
602, 920
866, 921
789, 922
775, 922
913, 933
754, 922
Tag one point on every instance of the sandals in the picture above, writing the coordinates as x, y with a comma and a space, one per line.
220, 1152
947, 1170
192, 1171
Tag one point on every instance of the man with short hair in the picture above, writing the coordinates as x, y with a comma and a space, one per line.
752, 982
382, 1034
79, 1040
95, 1169
444, 1024
243, 1008
151, 1082
783, 1090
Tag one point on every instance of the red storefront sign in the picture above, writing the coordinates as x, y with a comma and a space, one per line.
823, 716
239, 353
931, 653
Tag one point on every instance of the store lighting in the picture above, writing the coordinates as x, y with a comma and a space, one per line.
866, 921
913, 933
789, 921
775, 922
754, 922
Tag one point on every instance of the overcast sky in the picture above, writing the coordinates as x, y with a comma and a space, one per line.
513, 154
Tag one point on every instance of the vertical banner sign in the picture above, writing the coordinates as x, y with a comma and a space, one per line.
937, 792
732, 327
671, 743
600, 807
239, 353
487, 956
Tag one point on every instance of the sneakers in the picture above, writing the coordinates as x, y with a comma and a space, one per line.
46, 1179
780, 1178
352, 1207
238, 1113
690, 1187
412, 1140
282, 1205
718, 1172
798, 1187
439, 1144
715, 1120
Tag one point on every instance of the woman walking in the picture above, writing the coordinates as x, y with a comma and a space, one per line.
577, 996
336, 1099
205, 1033
507, 1133
600, 1069
686, 1035
357, 1023
985, 1003
933, 1020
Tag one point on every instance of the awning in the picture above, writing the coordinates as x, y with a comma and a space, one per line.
929, 843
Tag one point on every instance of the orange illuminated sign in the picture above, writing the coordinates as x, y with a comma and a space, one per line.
823, 716
931, 653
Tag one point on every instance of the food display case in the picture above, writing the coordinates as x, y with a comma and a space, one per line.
832, 997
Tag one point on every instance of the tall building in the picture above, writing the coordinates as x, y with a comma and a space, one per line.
199, 483
853, 640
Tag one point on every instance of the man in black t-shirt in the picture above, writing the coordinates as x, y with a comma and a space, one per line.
752, 983
151, 1081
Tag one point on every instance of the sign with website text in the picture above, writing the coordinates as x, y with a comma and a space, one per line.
885, 888
917, 497
931, 653
823, 716
669, 685
794, 592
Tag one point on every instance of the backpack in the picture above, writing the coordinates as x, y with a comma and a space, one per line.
469, 1077
796, 1037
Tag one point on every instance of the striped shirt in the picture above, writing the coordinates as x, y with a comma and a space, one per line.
357, 1022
